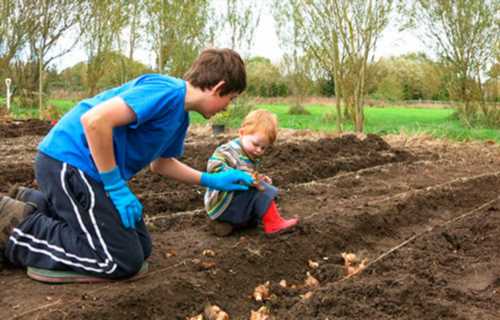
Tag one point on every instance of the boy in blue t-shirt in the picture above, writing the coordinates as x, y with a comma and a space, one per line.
85, 218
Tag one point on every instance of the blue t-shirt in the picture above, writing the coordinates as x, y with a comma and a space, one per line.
158, 131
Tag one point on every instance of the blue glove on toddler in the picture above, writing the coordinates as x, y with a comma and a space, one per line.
230, 180
127, 204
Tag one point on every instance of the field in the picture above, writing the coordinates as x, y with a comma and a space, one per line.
424, 212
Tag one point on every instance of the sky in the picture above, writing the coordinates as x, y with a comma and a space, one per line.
266, 44
393, 42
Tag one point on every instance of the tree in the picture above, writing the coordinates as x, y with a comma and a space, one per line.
407, 77
179, 30
264, 78
240, 19
465, 33
14, 27
341, 36
134, 12
50, 20
102, 21
296, 60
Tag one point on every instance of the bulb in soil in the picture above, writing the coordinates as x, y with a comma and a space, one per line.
261, 314
261, 292
213, 312
312, 264
311, 282
349, 258
307, 295
208, 253
283, 283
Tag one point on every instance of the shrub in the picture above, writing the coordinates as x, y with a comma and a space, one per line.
298, 109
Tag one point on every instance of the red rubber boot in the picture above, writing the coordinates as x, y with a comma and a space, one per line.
273, 222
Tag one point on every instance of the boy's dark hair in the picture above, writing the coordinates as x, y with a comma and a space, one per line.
214, 65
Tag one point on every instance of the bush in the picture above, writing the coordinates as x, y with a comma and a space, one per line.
298, 109
235, 112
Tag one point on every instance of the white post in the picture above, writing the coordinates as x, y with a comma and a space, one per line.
7, 84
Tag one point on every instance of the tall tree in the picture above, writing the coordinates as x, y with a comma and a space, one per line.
102, 21
341, 35
465, 33
50, 20
239, 21
135, 9
296, 59
14, 27
179, 30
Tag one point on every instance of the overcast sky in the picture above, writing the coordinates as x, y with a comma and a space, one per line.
266, 44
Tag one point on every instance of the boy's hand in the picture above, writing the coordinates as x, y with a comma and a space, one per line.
230, 180
127, 204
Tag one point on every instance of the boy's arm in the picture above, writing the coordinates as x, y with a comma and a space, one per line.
230, 180
98, 124
173, 168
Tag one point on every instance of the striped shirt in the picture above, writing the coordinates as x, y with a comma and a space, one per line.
227, 156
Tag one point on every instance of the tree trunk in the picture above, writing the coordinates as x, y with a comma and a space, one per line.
40, 84
338, 100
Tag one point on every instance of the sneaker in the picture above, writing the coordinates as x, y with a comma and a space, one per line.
221, 229
18, 192
12, 213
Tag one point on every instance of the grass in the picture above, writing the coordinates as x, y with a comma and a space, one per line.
434, 121
25, 113
438, 122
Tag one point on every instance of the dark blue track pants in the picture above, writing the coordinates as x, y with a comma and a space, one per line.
76, 227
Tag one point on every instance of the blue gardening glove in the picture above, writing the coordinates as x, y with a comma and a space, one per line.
229, 180
127, 204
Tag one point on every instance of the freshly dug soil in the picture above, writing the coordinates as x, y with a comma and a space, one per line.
434, 203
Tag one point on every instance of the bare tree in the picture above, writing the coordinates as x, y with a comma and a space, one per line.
341, 35
465, 33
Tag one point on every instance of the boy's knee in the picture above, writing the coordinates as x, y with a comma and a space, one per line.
147, 249
129, 265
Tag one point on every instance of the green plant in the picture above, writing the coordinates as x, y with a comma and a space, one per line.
221, 118
298, 109
234, 113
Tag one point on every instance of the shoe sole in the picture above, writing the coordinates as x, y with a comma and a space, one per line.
289, 229
64, 277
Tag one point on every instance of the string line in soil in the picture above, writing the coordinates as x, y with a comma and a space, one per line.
330, 180
433, 188
427, 230
174, 215
45, 306
430, 189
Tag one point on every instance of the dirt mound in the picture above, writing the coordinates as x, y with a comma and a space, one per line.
287, 163
18, 128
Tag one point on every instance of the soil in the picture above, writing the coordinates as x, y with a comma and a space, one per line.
425, 213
